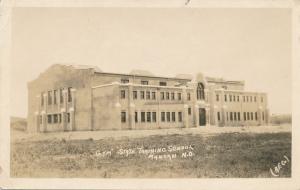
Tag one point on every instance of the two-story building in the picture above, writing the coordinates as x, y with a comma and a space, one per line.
76, 98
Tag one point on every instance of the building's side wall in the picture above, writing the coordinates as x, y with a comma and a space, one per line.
106, 108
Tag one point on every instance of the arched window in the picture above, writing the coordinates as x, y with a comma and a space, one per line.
200, 91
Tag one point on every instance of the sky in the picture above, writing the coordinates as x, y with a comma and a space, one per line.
253, 45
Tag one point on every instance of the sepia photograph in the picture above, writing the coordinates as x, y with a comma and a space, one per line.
151, 93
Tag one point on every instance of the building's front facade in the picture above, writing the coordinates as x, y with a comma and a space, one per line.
77, 98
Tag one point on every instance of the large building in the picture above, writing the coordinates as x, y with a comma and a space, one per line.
83, 98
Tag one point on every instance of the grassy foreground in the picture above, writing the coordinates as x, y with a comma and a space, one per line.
193, 156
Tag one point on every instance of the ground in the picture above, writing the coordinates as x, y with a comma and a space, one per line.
191, 153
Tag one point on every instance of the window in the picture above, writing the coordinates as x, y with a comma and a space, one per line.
123, 94
254, 98
225, 98
49, 118
61, 97
42, 98
251, 115
59, 118
230, 98
239, 116
162, 95
148, 116
168, 117
219, 116
179, 116
234, 98
172, 95
144, 82
55, 118
179, 96
142, 93
54, 96
49, 98
167, 95
123, 117
243, 98
200, 91
248, 116
69, 94
234, 116
163, 117
217, 97
256, 116
231, 118
247, 98
153, 116
143, 119
148, 95
136, 117
173, 117
134, 94
245, 116
124, 81
68, 117
250, 98
153, 95
162, 83
238, 98
189, 111
188, 96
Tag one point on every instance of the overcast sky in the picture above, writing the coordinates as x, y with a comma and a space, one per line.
237, 44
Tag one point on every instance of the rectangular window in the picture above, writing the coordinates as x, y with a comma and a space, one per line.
142, 93
123, 117
189, 111
179, 116
134, 94
173, 117
234, 98
143, 117
238, 98
54, 96
123, 94
153, 116
247, 99
234, 116
173, 96
162, 83
243, 98
168, 117
148, 95
68, 117
61, 96
124, 81
69, 94
254, 98
231, 118
248, 116
217, 97
144, 82
245, 116
153, 95
59, 118
239, 116
256, 116
42, 98
251, 115
148, 116
188, 96
55, 118
136, 117
179, 96
225, 98
167, 95
49, 98
162, 95
219, 116
163, 117
230, 98
250, 98
49, 118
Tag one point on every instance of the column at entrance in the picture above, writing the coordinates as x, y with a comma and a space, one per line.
207, 110
197, 122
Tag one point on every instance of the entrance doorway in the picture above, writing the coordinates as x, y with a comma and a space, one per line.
202, 117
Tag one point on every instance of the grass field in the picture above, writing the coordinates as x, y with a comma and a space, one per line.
223, 155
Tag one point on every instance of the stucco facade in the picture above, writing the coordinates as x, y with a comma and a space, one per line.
83, 98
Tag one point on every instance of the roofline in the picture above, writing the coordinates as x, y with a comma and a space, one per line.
132, 75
